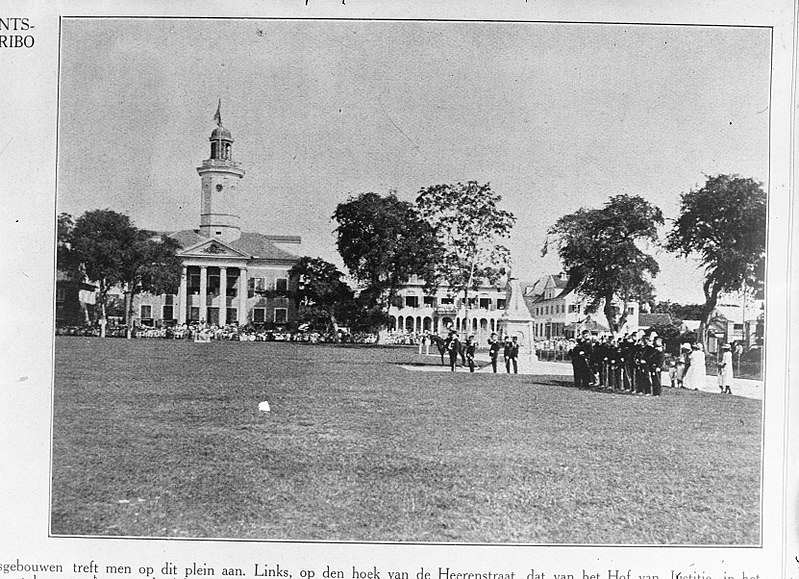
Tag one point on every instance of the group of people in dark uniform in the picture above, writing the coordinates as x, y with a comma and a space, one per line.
466, 350
632, 364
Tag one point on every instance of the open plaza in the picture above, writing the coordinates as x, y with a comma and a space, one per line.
164, 438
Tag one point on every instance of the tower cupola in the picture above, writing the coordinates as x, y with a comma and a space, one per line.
220, 174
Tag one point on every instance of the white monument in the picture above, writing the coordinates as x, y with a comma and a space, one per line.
517, 322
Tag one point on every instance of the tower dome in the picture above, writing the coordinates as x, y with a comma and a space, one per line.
221, 133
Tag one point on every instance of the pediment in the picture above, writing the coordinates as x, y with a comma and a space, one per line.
212, 248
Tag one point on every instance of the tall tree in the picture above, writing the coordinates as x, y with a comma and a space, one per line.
601, 252
724, 224
98, 241
149, 264
322, 297
383, 242
469, 223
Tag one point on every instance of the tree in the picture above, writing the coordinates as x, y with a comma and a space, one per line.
111, 251
671, 333
322, 297
149, 264
383, 242
469, 224
599, 249
97, 241
678, 311
724, 223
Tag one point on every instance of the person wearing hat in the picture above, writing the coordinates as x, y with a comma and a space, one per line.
493, 350
725, 369
677, 366
470, 349
453, 346
695, 372
511, 352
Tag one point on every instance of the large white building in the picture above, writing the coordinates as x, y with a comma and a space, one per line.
556, 312
228, 276
420, 312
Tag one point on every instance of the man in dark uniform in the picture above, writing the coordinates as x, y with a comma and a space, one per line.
657, 359
581, 357
643, 375
453, 349
627, 364
470, 349
511, 353
493, 350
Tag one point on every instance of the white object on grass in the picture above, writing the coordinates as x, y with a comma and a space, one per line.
264, 406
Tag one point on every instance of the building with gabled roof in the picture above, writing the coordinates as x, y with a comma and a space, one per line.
559, 312
229, 276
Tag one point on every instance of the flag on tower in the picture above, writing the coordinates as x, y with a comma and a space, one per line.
218, 115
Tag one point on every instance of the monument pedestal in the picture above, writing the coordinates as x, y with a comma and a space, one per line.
517, 322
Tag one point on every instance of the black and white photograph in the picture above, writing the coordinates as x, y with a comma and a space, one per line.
472, 282
351, 291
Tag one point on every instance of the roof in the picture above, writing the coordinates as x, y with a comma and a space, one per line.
256, 245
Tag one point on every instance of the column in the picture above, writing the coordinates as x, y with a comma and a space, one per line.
203, 293
243, 297
222, 296
182, 305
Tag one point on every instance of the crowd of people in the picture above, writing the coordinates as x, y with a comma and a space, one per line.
635, 363
201, 332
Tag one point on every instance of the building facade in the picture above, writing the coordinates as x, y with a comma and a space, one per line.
229, 276
561, 313
419, 312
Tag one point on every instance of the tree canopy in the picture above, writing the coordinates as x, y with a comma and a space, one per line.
323, 299
383, 242
601, 252
724, 224
106, 248
469, 224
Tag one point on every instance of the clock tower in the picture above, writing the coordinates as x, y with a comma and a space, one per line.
220, 175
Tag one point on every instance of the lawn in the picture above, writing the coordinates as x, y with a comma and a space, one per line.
164, 438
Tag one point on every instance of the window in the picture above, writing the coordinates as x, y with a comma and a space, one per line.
281, 285
429, 301
631, 310
411, 301
146, 312
167, 313
194, 281
485, 303
256, 284
232, 315
60, 294
259, 315
447, 301
194, 314
501, 304
281, 315
213, 281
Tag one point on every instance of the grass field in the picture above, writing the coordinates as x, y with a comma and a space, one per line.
164, 438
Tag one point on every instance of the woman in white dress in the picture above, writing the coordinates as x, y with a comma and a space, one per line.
695, 374
725, 369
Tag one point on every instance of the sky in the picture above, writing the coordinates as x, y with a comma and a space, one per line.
554, 116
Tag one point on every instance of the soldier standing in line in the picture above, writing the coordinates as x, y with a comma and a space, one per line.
581, 356
627, 362
643, 366
657, 359
493, 350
